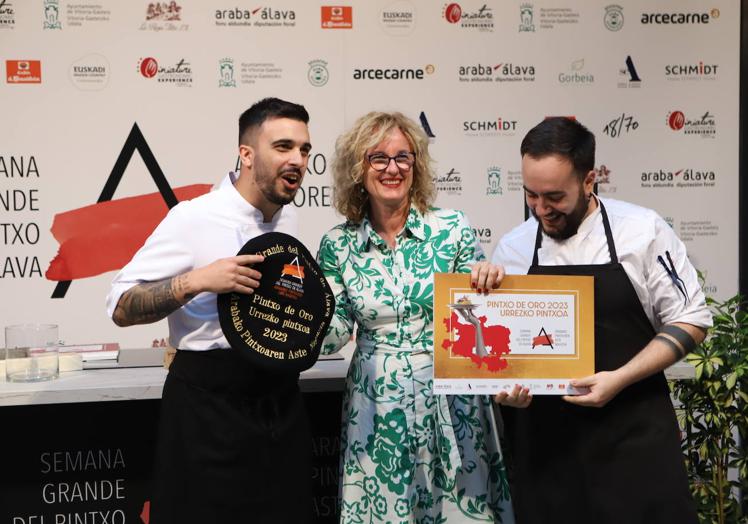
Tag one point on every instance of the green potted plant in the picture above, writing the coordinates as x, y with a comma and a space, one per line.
713, 414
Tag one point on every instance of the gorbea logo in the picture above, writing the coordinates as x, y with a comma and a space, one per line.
393, 73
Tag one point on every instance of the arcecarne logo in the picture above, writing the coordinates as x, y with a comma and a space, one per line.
697, 71
501, 72
393, 73
680, 18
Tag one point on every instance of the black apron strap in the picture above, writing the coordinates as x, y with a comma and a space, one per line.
538, 243
608, 235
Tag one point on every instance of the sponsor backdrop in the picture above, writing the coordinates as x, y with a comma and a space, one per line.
114, 110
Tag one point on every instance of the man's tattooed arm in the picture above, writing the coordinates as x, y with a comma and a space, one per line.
151, 301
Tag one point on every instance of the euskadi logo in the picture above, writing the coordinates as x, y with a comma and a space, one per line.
398, 18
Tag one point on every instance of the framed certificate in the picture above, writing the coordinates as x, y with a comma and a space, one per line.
535, 330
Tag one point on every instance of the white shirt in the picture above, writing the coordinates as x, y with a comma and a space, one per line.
640, 236
193, 234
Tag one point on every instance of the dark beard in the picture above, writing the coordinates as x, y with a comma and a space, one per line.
267, 185
572, 220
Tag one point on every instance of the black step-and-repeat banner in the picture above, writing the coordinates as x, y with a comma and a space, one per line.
113, 110
91, 463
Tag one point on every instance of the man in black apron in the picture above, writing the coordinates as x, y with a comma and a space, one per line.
234, 442
611, 455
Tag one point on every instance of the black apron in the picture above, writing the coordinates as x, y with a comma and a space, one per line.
617, 464
234, 445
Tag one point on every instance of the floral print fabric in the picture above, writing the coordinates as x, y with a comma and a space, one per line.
407, 456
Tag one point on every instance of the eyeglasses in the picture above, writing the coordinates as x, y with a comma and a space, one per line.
380, 162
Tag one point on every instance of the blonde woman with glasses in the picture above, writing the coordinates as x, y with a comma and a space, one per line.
407, 455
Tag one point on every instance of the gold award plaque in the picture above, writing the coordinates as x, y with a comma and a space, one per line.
535, 330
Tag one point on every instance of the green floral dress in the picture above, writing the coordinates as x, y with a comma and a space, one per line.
407, 455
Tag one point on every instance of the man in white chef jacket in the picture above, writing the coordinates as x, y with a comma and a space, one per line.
611, 454
234, 442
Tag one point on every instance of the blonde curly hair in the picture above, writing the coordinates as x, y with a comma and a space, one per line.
349, 164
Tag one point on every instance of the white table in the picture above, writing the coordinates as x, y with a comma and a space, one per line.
143, 383
101, 385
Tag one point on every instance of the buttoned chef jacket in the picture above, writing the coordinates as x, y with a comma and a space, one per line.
193, 234
640, 236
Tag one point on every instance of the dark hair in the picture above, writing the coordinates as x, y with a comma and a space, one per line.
564, 137
269, 108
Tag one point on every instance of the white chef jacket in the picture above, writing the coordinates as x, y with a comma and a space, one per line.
640, 236
193, 234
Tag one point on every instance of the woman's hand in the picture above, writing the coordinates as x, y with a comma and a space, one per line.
519, 397
486, 276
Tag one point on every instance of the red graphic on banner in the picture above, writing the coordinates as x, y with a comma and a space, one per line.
494, 337
676, 120
543, 340
293, 270
148, 67
23, 71
337, 17
145, 515
453, 13
104, 236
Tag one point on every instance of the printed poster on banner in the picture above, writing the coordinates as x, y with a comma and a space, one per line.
535, 330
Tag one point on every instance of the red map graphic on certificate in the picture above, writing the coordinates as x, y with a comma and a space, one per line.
494, 337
